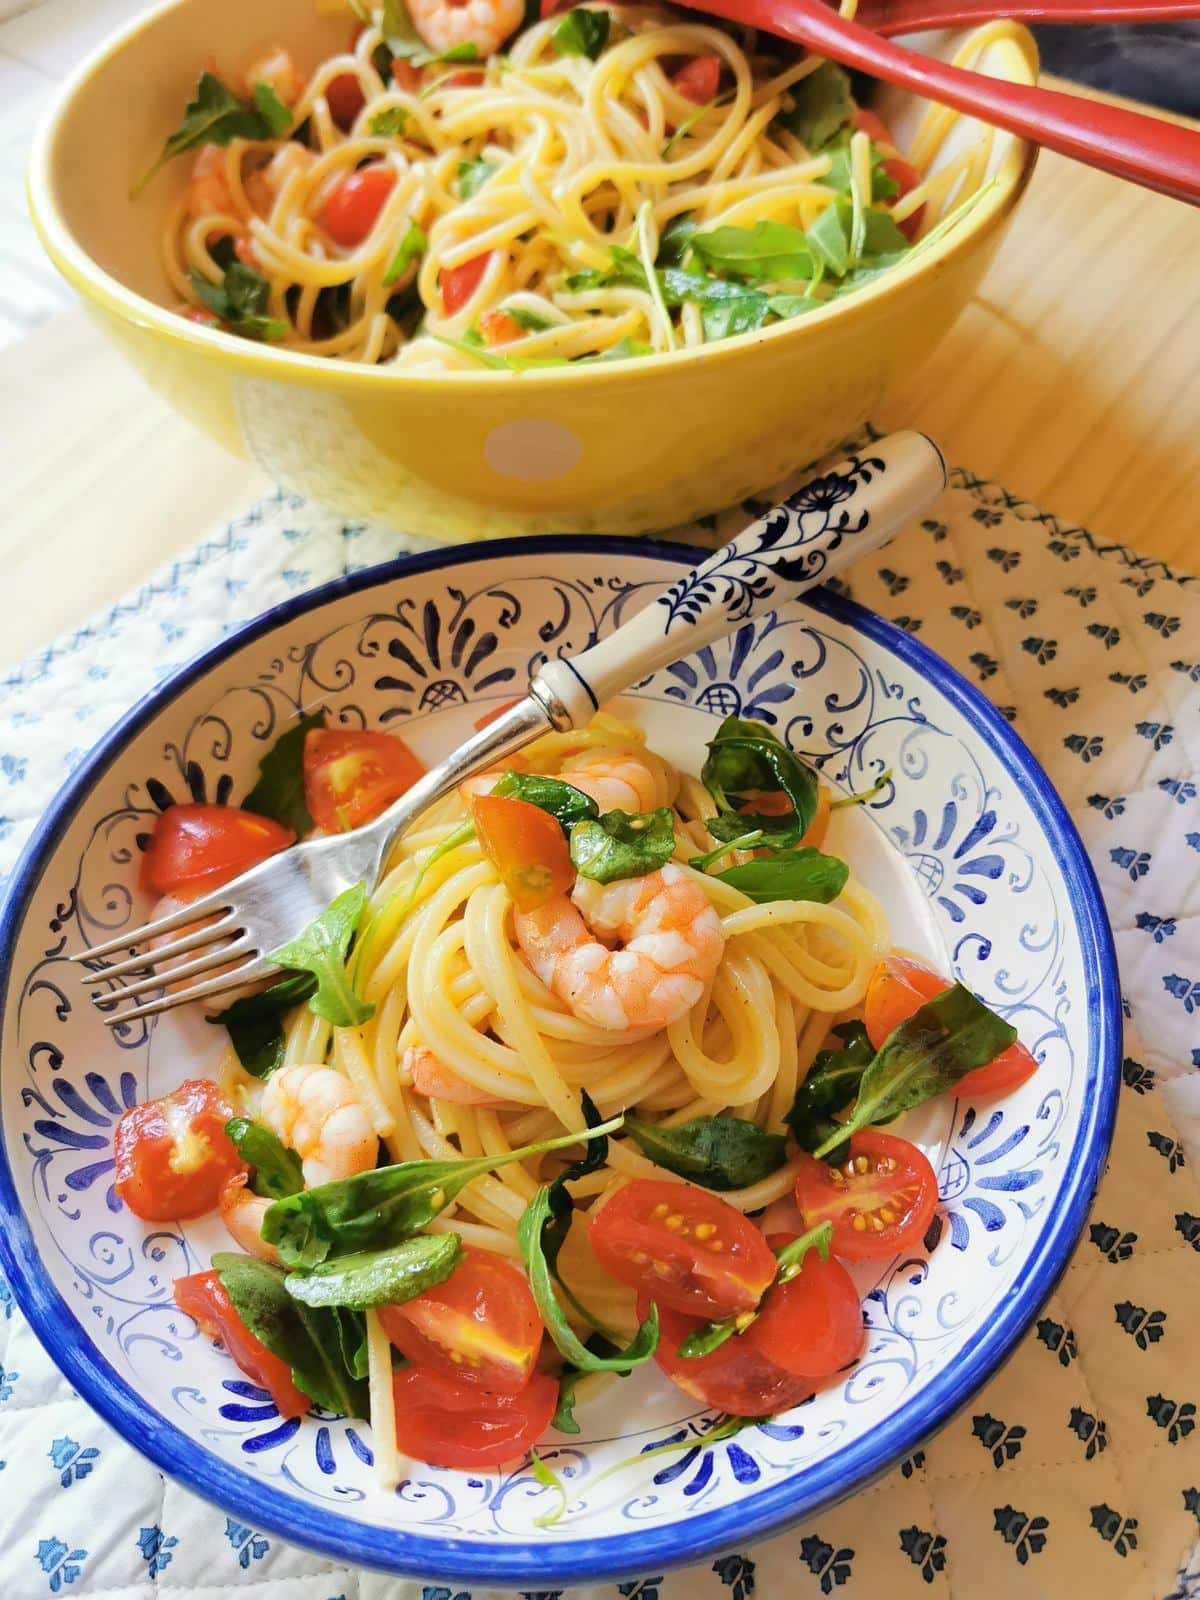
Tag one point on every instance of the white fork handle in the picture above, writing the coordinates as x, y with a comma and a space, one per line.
825, 525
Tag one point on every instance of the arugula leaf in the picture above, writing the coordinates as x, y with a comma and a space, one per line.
832, 1082
623, 844
279, 790
804, 874
767, 252
389, 123
625, 268
321, 949
240, 300
704, 1340
623, 350
472, 175
372, 1278
582, 33
883, 185
413, 244
675, 241
531, 321
786, 306
272, 110
746, 756
254, 1025
372, 1210
549, 1479
714, 1152
863, 795
829, 236
277, 1171
311, 1341
564, 1412
725, 308
823, 106
539, 1217
565, 803
215, 116
937, 1046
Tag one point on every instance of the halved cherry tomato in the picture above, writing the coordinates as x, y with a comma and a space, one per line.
405, 75
451, 1424
345, 99
352, 774
697, 80
243, 249
497, 327
735, 1377
683, 1247
351, 210
901, 172
549, 7
481, 1327
527, 847
879, 1198
200, 847
489, 717
462, 80
173, 1156
898, 987
460, 283
202, 315
204, 1297
812, 1325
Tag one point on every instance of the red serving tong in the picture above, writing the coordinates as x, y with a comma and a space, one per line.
1158, 155
888, 17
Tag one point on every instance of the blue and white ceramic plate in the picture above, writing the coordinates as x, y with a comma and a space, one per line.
968, 847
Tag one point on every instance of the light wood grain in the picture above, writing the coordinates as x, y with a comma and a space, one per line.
1074, 378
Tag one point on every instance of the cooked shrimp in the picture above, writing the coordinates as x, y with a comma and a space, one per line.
263, 186
616, 783
208, 188
242, 1212
446, 24
433, 1078
276, 69
316, 1112
672, 937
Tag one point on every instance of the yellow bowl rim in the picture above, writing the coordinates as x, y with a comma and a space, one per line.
249, 359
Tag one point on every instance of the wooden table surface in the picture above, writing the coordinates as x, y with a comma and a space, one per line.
1073, 378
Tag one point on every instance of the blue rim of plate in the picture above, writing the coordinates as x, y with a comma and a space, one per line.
734, 1526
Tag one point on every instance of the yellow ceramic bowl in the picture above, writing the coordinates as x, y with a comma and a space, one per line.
622, 447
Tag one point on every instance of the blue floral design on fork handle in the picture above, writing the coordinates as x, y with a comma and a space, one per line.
827, 523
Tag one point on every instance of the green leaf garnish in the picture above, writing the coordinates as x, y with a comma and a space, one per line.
623, 844
373, 1210
240, 300
565, 803
271, 108
715, 1152
389, 123
804, 874
746, 757
932, 1050
829, 1086
279, 791
322, 949
371, 1278
255, 1025
472, 175
549, 1480
315, 1343
823, 105
215, 116
277, 1170
582, 33
767, 252
413, 244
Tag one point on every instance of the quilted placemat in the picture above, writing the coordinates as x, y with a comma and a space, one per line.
1076, 1471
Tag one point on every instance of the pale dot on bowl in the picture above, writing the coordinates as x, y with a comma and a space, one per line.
532, 451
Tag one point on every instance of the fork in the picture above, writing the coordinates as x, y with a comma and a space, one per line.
890, 17
828, 522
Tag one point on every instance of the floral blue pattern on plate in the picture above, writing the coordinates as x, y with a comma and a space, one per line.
982, 846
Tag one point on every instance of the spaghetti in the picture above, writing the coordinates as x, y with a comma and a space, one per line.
542, 206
